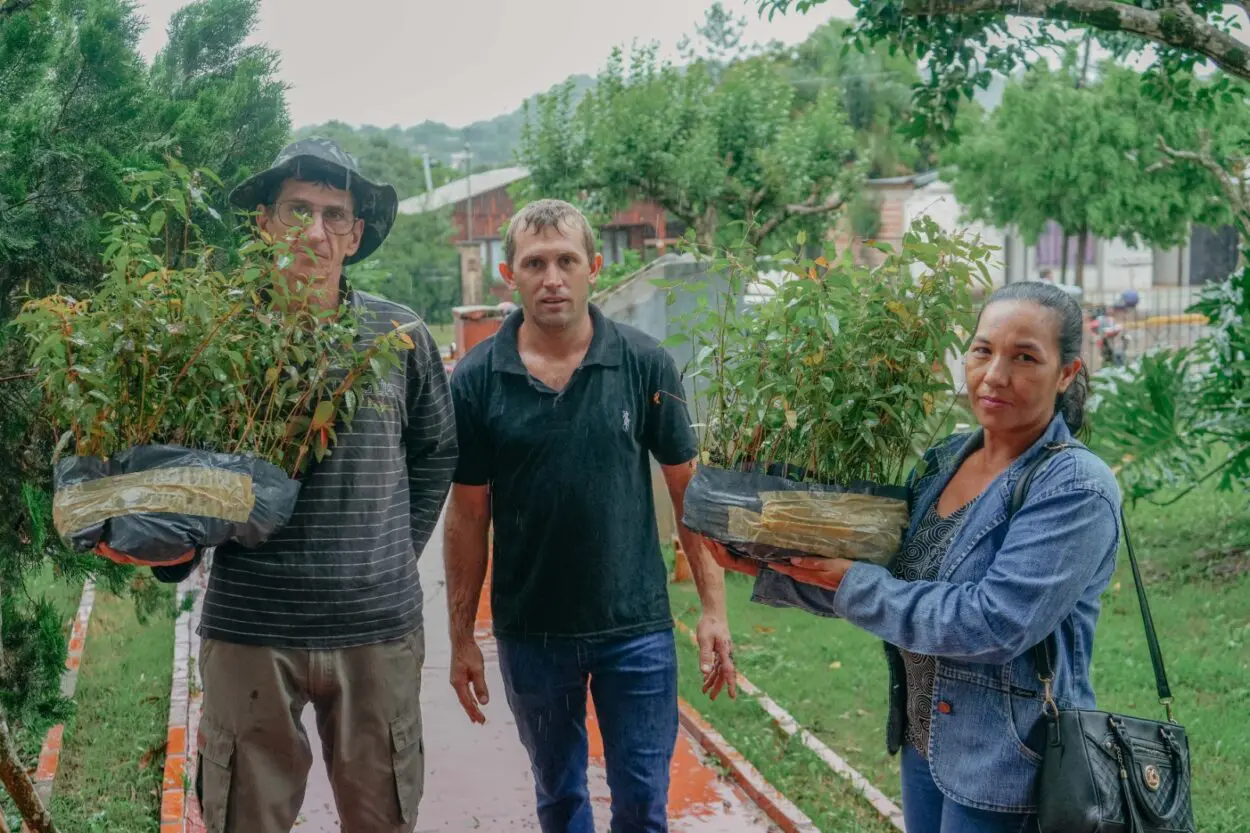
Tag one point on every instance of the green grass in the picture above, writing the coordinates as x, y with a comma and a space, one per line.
832, 677
444, 334
789, 766
64, 596
114, 750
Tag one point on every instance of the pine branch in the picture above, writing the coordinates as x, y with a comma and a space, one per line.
69, 99
8, 8
35, 196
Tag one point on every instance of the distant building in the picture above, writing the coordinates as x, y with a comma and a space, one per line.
481, 207
1111, 266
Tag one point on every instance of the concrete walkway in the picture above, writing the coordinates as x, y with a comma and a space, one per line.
478, 777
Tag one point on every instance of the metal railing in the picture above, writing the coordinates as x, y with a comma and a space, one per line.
1161, 319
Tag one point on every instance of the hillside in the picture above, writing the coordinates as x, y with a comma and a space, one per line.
493, 141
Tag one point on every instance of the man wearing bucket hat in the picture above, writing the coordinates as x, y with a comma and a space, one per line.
328, 611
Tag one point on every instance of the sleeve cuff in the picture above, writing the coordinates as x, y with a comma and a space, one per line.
681, 457
856, 582
776, 590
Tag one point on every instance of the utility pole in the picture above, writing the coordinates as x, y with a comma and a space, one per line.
468, 182
425, 165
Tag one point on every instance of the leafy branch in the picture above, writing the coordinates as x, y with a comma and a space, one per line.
1232, 185
840, 374
216, 352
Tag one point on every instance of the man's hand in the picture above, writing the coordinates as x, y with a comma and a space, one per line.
468, 678
716, 656
818, 572
729, 561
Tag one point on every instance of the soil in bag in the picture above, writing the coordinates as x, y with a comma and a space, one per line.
156, 502
769, 517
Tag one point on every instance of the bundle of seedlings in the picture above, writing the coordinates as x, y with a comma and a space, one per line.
192, 387
814, 402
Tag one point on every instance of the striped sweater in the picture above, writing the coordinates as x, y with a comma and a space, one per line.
343, 571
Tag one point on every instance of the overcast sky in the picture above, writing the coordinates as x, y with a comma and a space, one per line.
387, 62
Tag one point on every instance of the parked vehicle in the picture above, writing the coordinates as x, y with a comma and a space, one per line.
1109, 337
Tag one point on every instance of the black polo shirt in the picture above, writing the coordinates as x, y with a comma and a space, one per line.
576, 551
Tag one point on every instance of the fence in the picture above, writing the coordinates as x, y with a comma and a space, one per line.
1161, 319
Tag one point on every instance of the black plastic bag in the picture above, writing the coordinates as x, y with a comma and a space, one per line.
155, 503
768, 517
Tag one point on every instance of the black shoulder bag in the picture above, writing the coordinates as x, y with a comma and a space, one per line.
1104, 772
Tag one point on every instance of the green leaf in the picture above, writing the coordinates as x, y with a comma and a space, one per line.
323, 416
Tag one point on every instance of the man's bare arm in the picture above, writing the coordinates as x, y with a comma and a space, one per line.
465, 553
465, 535
715, 643
709, 578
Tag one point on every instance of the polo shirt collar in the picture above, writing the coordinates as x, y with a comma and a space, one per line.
605, 344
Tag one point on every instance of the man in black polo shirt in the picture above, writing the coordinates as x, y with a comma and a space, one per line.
556, 417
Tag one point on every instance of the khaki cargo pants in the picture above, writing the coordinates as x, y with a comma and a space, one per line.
254, 755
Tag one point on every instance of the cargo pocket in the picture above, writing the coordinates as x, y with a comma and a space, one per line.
213, 773
408, 760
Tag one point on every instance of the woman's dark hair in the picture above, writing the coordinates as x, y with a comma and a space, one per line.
1070, 403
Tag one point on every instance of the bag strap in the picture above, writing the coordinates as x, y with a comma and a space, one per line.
1049, 647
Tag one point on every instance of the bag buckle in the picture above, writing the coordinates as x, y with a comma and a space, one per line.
1049, 707
1166, 702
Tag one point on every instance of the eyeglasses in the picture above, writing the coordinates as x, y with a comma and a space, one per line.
335, 219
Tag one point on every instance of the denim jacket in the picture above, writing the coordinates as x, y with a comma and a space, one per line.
1001, 590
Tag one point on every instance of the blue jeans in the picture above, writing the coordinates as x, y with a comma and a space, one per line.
634, 683
927, 810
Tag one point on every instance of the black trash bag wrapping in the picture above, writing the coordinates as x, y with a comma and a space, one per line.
156, 502
772, 518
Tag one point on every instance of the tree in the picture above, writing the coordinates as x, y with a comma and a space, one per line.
417, 266
1085, 157
80, 110
875, 91
717, 41
713, 153
217, 101
967, 41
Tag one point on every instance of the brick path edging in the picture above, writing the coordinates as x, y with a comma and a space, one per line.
787, 723
179, 813
779, 809
50, 752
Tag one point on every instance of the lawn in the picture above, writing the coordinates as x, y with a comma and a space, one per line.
64, 597
444, 334
114, 749
832, 677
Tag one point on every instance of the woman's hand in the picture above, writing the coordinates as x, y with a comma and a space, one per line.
729, 561
826, 573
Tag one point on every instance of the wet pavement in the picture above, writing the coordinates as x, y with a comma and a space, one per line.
478, 777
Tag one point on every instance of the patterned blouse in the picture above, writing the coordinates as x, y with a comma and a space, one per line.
921, 560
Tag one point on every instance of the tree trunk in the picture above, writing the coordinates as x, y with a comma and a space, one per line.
1081, 251
18, 784
1063, 260
705, 231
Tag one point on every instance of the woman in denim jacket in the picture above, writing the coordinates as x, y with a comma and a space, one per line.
971, 594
